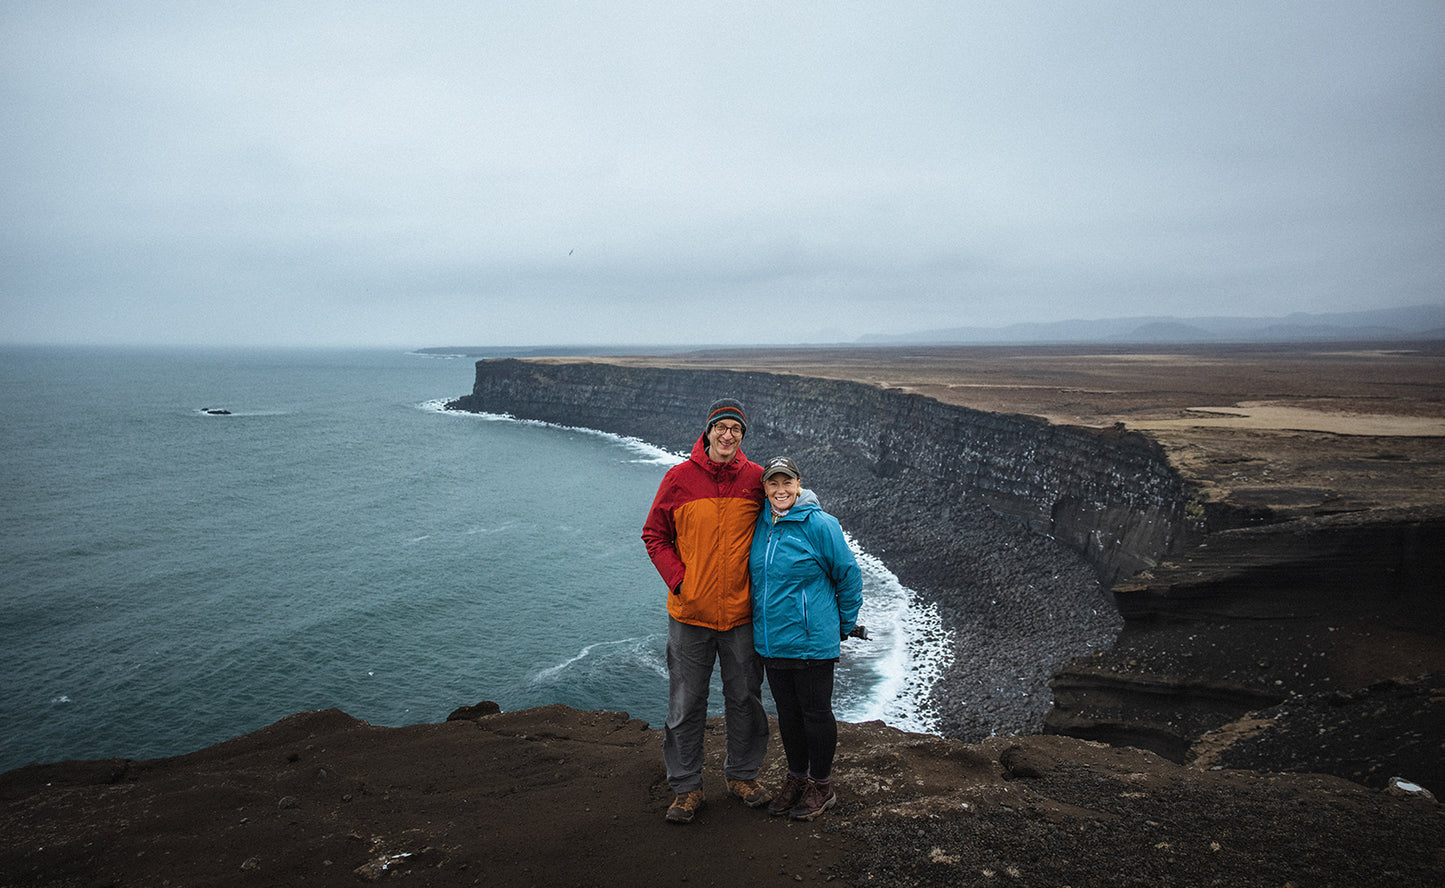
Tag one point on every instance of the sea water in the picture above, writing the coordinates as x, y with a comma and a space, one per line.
172, 575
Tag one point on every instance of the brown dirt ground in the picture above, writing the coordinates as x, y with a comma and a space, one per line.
552, 796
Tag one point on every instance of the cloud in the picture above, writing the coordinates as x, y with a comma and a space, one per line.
373, 173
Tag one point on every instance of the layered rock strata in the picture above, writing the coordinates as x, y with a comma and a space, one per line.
1251, 618
1109, 495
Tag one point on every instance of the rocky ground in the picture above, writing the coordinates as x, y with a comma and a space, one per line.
553, 796
1293, 794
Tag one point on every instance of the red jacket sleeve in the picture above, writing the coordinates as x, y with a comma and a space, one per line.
660, 535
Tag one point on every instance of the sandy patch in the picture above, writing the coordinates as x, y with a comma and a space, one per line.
1277, 418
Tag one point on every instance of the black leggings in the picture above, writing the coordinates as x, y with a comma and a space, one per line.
804, 697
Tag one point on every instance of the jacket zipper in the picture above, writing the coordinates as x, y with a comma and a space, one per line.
769, 551
775, 536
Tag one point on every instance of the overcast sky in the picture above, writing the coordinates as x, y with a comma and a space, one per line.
486, 173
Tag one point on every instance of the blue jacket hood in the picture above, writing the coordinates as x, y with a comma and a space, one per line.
807, 501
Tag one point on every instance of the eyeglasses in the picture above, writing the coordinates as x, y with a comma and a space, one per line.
734, 431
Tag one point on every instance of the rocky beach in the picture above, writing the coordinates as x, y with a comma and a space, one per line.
1197, 629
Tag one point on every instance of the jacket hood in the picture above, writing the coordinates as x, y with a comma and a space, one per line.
806, 502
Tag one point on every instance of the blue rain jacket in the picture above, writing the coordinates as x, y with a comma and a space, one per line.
807, 587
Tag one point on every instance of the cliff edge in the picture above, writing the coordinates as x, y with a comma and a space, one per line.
554, 796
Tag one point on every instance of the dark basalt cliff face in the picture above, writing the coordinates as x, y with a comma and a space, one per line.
1256, 617
1111, 496
1027, 536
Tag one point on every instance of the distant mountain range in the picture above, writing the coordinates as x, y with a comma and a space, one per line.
1420, 322
1414, 323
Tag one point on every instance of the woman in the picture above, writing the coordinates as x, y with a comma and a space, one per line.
807, 589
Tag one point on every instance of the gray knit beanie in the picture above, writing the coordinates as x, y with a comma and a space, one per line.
726, 408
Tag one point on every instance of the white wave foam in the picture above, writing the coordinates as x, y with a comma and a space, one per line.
636, 650
647, 454
439, 405
908, 649
489, 530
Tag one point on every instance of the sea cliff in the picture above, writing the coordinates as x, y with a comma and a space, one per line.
1009, 526
1110, 495
1091, 589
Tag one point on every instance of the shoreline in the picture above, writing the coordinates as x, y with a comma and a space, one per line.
1173, 519
1015, 604
920, 618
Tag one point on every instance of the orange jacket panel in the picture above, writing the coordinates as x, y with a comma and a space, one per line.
698, 533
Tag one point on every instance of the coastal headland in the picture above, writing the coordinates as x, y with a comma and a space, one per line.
1266, 520
1220, 564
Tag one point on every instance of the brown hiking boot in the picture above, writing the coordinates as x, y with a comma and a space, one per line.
787, 797
753, 793
817, 798
685, 806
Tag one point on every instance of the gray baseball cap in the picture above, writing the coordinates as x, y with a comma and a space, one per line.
780, 464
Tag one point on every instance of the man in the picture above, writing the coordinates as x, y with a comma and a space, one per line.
698, 534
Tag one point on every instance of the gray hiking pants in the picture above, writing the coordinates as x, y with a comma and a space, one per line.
691, 651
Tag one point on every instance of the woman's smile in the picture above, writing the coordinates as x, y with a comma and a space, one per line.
782, 491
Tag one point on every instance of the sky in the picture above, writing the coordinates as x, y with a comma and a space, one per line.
411, 174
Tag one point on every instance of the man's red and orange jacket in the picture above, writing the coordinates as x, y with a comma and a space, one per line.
698, 534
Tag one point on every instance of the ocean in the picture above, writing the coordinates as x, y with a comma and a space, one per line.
172, 576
